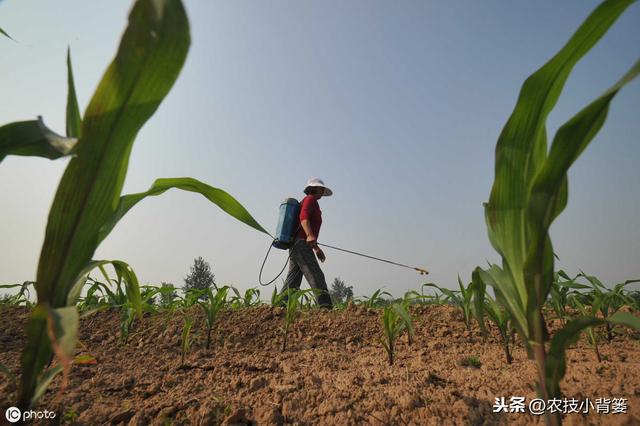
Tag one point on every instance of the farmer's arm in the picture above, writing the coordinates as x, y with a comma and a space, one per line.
306, 226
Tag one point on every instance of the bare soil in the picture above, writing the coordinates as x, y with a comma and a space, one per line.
334, 372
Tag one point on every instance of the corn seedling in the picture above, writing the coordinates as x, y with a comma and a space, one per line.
530, 190
586, 311
410, 298
395, 320
127, 318
250, 298
471, 361
502, 319
607, 301
186, 338
560, 291
22, 297
211, 306
377, 299
292, 303
277, 299
463, 299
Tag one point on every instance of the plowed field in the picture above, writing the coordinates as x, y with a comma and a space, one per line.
334, 372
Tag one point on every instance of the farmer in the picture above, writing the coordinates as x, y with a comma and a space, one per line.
302, 260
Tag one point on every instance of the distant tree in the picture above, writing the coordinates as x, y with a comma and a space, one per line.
340, 292
200, 277
167, 294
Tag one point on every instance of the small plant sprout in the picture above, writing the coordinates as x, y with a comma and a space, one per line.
186, 338
607, 301
250, 298
291, 308
502, 319
211, 306
471, 361
395, 319
587, 311
462, 299
377, 299
561, 287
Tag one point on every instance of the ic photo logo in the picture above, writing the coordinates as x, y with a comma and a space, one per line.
13, 414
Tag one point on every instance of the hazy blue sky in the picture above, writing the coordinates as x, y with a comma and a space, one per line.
396, 105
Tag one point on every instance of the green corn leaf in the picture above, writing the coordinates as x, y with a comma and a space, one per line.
74, 119
506, 295
35, 355
556, 362
33, 138
479, 293
4, 33
521, 148
130, 91
405, 317
549, 195
122, 270
151, 54
217, 196
64, 322
626, 319
44, 383
450, 294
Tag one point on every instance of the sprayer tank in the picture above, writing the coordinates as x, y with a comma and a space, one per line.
287, 223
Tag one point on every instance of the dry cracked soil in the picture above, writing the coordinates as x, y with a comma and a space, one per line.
334, 372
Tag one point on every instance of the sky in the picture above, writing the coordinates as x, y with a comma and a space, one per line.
396, 105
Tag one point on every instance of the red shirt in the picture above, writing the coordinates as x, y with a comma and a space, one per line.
310, 210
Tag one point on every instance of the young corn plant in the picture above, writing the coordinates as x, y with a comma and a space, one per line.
186, 337
410, 298
377, 299
530, 190
212, 305
88, 202
22, 297
502, 319
587, 311
292, 305
250, 298
560, 291
395, 320
462, 299
607, 301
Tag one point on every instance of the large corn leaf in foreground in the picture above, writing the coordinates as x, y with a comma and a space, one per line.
522, 149
149, 59
530, 188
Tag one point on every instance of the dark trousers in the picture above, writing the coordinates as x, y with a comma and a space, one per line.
302, 261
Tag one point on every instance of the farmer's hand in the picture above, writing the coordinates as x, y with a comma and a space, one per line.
320, 255
311, 240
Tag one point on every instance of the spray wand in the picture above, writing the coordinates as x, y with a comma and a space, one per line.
422, 271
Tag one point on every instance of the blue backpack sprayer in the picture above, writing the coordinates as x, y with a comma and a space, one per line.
288, 225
